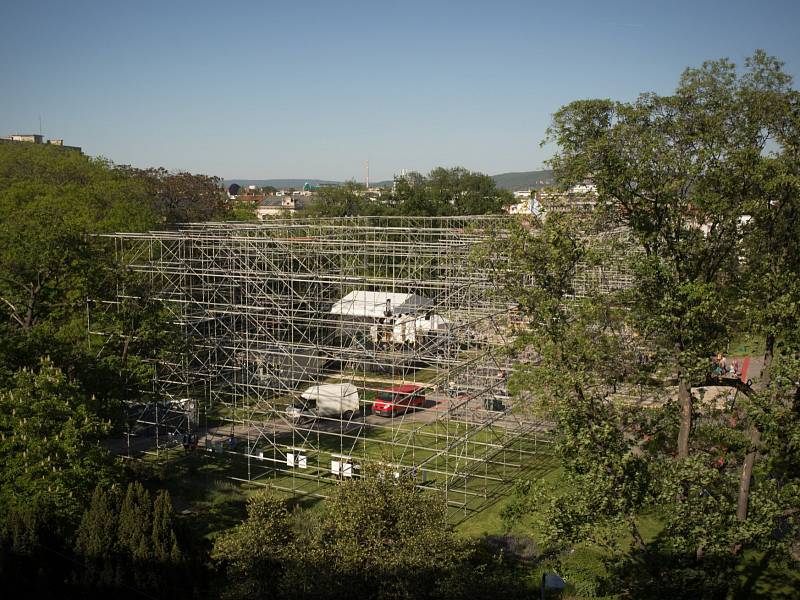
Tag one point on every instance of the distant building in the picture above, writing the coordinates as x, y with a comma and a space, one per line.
579, 198
520, 208
284, 204
31, 138
35, 138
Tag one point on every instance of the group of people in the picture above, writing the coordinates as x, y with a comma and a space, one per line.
722, 367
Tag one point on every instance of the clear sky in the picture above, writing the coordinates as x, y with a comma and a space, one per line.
293, 88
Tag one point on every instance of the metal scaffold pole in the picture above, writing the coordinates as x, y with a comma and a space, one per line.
326, 349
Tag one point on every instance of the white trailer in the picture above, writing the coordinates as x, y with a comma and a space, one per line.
326, 400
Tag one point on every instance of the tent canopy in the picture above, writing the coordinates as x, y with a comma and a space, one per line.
361, 303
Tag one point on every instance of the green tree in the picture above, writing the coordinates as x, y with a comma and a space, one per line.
253, 554
165, 542
49, 456
181, 196
136, 523
680, 171
51, 202
96, 540
682, 174
582, 353
380, 538
444, 192
347, 200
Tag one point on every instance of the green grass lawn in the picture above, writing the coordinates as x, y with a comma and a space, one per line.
208, 502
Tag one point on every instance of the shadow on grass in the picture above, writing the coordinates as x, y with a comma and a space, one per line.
659, 573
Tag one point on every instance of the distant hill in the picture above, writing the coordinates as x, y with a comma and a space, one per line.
278, 183
525, 180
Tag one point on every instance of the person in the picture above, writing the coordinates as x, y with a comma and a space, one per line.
717, 362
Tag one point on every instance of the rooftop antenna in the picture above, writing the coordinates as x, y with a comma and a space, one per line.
40, 124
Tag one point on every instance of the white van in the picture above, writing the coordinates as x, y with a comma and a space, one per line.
326, 400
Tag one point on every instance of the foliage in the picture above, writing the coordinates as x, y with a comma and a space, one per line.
51, 201
96, 540
254, 553
181, 196
446, 192
132, 544
694, 181
346, 200
49, 457
443, 192
375, 537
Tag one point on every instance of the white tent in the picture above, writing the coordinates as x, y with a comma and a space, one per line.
373, 305
405, 329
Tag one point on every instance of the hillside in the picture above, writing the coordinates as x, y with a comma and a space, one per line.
524, 180
278, 183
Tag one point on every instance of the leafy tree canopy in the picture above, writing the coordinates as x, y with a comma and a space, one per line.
49, 452
443, 192
704, 183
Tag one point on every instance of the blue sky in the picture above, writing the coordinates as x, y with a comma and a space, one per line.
314, 89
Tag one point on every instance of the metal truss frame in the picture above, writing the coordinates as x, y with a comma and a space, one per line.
253, 304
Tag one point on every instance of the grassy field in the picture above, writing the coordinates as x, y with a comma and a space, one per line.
210, 489
208, 501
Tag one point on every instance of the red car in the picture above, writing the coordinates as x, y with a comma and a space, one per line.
398, 399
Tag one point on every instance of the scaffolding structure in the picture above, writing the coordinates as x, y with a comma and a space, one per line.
269, 311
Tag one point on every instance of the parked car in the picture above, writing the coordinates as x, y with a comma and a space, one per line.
398, 399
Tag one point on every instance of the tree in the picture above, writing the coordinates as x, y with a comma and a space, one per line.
49, 457
581, 352
347, 200
690, 177
769, 284
181, 196
445, 192
680, 171
378, 537
136, 523
254, 553
51, 202
46, 212
165, 542
96, 540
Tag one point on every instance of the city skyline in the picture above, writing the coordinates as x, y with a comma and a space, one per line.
316, 90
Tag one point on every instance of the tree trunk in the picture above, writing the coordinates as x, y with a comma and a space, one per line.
747, 474
764, 381
636, 535
685, 402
